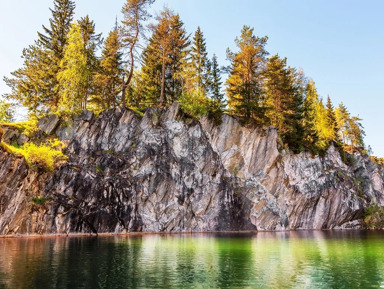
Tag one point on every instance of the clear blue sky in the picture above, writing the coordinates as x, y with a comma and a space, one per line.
337, 43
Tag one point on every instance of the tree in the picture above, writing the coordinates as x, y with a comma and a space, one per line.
214, 81
332, 122
164, 59
351, 129
92, 41
135, 12
54, 40
284, 101
309, 116
74, 72
245, 81
35, 85
28, 86
108, 79
199, 62
6, 112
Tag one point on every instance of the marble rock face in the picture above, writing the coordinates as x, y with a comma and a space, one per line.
163, 173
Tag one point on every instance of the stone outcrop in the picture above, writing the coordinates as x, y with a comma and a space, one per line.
164, 173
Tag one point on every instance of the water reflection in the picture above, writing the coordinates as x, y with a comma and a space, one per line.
264, 260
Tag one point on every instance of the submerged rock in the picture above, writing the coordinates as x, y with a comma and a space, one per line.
156, 173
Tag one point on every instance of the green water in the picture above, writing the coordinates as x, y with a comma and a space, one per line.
263, 260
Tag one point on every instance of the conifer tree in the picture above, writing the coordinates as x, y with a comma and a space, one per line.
351, 129
199, 58
35, 85
28, 85
309, 116
92, 42
284, 101
54, 40
108, 79
245, 81
332, 122
214, 81
135, 12
74, 72
164, 59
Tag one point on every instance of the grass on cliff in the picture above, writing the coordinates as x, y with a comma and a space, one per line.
26, 127
44, 156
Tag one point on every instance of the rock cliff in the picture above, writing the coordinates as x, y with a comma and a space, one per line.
166, 173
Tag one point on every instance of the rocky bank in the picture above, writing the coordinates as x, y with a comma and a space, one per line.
166, 173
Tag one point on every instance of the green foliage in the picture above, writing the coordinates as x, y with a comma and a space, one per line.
40, 201
214, 82
377, 160
350, 128
135, 13
26, 127
109, 77
6, 111
198, 78
374, 217
44, 156
35, 85
195, 105
165, 59
244, 84
74, 74
284, 101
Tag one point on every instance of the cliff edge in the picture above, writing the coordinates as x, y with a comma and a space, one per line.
164, 173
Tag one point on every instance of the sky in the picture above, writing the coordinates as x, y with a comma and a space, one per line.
339, 44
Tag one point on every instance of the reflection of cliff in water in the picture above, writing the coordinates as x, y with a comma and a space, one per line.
268, 260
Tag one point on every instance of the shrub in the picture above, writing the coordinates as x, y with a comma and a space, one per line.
40, 201
194, 104
43, 156
26, 127
374, 217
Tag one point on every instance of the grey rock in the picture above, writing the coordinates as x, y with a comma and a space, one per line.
49, 123
159, 174
10, 135
22, 139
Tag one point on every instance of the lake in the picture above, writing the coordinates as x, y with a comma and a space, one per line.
306, 259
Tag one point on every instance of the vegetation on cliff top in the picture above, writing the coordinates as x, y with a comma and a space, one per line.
63, 74
44, 156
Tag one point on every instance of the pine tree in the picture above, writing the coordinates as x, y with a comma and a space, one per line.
351, 129
35, 85
284, 101
54, 40
332, 122
135, 12
92, 42
199, 58
342, 118
214, 81
108, 79
309, 117
245, 81
164, 59
74, 72
27, 85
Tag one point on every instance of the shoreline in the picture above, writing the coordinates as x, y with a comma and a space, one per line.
133, 234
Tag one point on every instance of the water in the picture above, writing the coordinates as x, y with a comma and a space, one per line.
263, 260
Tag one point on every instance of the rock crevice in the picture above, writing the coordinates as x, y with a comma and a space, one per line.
158, 173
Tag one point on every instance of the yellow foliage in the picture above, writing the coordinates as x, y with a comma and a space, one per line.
25, 127
43, 156
194, 104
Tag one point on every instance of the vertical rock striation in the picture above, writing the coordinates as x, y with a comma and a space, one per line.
164, 173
